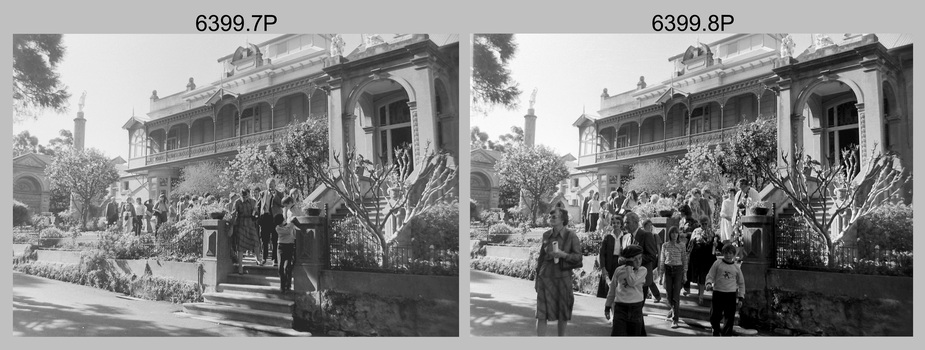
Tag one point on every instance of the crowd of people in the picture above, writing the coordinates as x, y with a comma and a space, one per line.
263, 224
635, 261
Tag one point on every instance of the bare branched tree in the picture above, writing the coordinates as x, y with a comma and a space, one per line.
409, 189
857, 190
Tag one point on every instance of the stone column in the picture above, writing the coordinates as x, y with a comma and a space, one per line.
870, 111
80, 127
529, 128
311, 253
423, 111
335, 123
784, 129
216, 253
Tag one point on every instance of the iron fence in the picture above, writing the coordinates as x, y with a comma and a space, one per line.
352, 248
799, 247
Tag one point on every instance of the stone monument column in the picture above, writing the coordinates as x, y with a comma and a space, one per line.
80, 124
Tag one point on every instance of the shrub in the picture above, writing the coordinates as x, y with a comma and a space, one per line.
52, 232
519, 214
499, 233
490, 217
888, 227
20, 213
40, 222
519, 268
68, 219
95, 270
113, 244
23, 237
435, 229
590, 242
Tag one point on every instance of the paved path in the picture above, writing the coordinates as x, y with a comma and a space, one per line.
45, 307
505, 306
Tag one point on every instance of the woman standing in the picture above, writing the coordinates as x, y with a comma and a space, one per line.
554, 298
625, 294
245, 228
594, 211
643, 198
631, 201
610, 252
702, 256
725, 214
672, 268
296, 208
160, 212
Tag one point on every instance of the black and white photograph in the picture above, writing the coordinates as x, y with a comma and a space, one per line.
703, 184
235, 185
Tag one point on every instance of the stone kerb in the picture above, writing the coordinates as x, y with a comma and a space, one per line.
508, 252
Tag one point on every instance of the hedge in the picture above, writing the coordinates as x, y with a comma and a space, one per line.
94, 270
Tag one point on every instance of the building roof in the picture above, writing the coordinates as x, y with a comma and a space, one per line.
585, 117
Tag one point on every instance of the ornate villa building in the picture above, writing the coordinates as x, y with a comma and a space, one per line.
828, 97
383, 94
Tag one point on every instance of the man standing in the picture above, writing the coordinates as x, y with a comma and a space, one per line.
646, 240
584, 211
112, 211
138, 224
269, 205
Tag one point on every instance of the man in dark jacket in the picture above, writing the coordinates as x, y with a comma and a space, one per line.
269, 204
584, 211
646, 240
112, 211
617, 202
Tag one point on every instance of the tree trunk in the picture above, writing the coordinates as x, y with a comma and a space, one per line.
385, 250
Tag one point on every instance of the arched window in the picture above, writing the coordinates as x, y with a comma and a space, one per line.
138, 143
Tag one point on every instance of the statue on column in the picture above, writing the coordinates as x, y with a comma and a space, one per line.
533, 98
820, 41
337, 46
83, 100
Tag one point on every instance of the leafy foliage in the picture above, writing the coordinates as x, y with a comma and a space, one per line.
536, 171
86, 174
753, 146
96, 271
435, 229
652, 176
199, 178
20, 213
249, 168
698, 168
491, 78
36, 84
304, 146
888, 227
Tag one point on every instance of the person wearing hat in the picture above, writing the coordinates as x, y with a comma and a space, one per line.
625, 297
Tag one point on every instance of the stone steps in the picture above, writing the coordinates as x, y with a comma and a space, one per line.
228, 312
257, 280
273, 330
251, 302
268, 292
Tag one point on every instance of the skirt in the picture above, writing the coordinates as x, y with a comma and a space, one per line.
554, 299
245, 235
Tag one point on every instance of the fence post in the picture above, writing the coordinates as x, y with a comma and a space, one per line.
310, 253
216, 253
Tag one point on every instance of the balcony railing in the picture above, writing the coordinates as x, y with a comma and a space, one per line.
217, 146
712, 137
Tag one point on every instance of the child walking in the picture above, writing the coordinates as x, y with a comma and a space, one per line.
728, 284
285, 250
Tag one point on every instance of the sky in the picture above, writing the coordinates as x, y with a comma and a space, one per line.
570, 71
119, 71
